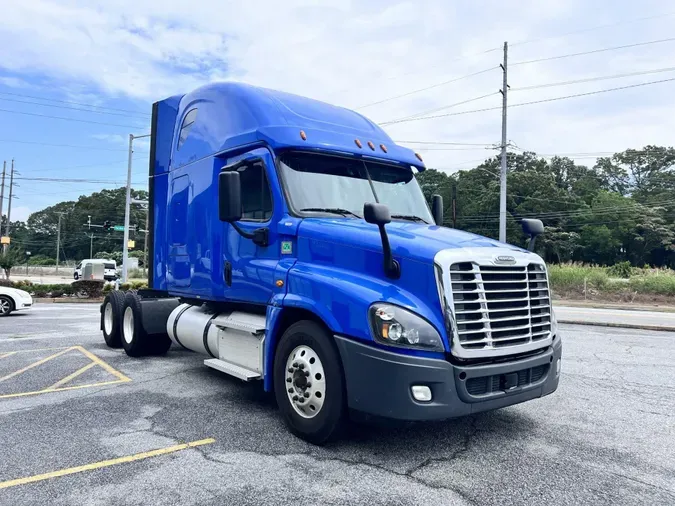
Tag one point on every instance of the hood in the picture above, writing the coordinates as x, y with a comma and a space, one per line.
416, 241
15, 292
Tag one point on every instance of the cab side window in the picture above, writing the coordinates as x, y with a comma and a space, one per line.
256, 199
185, 128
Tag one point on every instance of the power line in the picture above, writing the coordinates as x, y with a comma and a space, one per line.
73, 103
64, 145
427, 88
446, 142
539, 101
594, 51
591, 79
440, 108
590, 29
70, 119
67, 180
126, 115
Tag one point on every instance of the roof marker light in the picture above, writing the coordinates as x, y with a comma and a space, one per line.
419, 157
303, 135
383, 147
358, 143
371, 145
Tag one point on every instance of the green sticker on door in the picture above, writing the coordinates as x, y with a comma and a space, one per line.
286, 247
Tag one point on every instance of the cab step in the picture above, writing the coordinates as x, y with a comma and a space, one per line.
232, 369
243, 322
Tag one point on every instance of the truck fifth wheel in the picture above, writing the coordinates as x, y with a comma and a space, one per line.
290, 243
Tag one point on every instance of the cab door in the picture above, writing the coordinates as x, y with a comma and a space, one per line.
248, 267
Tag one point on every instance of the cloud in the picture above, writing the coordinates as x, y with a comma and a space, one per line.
356, 53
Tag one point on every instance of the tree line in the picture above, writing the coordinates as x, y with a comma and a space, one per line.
38, 234
620, 209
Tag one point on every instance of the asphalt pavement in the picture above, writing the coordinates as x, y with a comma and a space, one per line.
605, 437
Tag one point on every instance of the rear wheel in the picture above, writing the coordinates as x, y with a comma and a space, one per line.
6, 305
135, 340
111, 318
308, 382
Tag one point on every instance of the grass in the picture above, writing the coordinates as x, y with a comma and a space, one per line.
567, 281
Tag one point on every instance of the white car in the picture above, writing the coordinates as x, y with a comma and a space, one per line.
13, 299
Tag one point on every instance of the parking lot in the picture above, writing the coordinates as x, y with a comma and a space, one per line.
83, 424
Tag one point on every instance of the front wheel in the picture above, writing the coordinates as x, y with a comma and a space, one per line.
308, 382
76, 276
6, 305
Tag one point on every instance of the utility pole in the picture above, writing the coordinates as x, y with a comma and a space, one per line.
454, 206
502, 186
2, 192
58, 241
9, 205
127, 208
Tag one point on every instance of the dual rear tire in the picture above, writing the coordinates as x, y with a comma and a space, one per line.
122, 326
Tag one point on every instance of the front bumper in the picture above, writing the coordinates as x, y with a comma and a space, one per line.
23, 305
379, 382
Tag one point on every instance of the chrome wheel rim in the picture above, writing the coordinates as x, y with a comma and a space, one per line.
128, 326
4, 306
305, 381
108, 318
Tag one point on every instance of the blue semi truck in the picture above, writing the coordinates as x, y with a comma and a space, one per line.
290, 243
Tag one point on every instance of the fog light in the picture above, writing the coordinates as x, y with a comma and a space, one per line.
557, 367
421, 393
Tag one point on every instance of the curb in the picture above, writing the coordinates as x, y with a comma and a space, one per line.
659, 328
624, 307
49, 300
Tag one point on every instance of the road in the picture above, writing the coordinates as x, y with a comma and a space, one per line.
605, 437
615, 316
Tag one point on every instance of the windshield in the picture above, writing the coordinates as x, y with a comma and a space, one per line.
342, 185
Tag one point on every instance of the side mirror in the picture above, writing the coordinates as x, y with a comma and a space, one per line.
378, 214
532, 228
437, 209
229, 196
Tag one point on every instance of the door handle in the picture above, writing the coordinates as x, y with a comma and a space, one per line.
227, 273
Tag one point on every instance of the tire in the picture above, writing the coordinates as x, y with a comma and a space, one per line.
76, 277
6, 305
326, 390
135, 340
112, 310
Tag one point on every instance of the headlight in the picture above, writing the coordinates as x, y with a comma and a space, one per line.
396, 326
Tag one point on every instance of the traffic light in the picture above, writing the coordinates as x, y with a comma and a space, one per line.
107, 226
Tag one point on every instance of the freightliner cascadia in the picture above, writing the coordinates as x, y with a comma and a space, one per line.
290, 243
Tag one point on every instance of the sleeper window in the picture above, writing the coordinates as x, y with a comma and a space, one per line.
189, 120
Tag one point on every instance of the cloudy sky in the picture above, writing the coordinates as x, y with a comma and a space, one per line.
101, 64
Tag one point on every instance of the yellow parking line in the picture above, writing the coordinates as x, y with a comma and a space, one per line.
34, 364
72, 376
100, 362
62, 389
42, 349
104, 463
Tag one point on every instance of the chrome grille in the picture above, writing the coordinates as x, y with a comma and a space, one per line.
499, 307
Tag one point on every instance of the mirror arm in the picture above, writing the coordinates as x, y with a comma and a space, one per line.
530, 246
391, 267
259, 236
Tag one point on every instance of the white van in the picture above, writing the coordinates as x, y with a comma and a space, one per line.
109, 268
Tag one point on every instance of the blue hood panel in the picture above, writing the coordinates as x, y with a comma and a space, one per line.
408, 240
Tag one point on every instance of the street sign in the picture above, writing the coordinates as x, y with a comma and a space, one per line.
4, 240
118, 228
131, 244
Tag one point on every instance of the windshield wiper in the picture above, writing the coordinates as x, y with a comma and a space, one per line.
410, 217
331, 210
